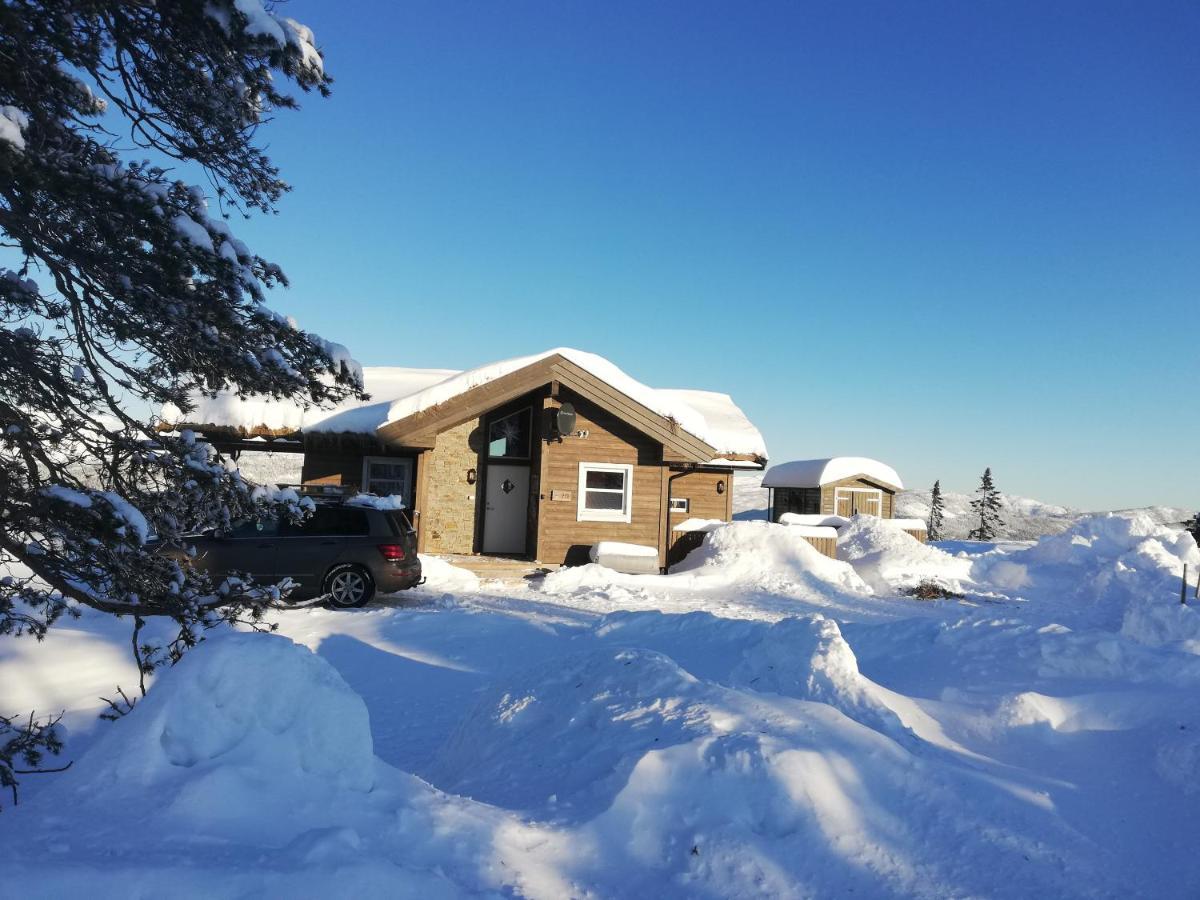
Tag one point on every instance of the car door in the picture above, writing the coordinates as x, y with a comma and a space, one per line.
248, 548
309, 549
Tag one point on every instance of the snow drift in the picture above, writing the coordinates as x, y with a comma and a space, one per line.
888, 559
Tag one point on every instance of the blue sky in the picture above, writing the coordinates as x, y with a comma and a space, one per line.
949, 235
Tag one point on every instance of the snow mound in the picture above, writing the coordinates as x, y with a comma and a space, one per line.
808, 658
572, 728
444, 577
1127, 569
768, 556
246, 730
888, 559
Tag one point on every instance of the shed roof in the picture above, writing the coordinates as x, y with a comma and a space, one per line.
399, 394
811, 473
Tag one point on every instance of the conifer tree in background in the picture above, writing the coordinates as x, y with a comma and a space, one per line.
987, 507
936, 513
1194, 527
125, 292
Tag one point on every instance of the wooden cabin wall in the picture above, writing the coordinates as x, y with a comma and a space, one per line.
700, 488
828, 507
562, 538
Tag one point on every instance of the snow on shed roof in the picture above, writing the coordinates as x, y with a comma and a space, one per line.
810, 473
397, 393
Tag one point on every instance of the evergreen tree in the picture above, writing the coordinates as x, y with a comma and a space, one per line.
1194, 527
936, 512
987, 507
127, 294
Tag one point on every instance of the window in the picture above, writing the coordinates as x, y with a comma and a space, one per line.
254, 528
680, 504
508, 436
605, 492
330, 521
387, 475
804, 501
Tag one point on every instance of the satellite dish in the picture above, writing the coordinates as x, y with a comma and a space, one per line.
564, 419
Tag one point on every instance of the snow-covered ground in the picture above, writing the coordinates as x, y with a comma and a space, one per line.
762, 722
1024, 519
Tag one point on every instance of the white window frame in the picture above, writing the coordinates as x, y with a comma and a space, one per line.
405, 461
686, 507
625, 513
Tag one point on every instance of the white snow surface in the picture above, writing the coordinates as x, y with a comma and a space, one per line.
13, 123
763, 721
398, 392
811, 473
383, 383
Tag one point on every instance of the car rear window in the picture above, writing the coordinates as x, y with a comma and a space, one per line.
398, 522
334, 521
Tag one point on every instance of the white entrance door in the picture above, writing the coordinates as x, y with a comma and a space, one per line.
506, 512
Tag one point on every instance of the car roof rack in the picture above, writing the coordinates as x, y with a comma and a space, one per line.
333, 491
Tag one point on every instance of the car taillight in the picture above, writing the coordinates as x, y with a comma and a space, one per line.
392, 552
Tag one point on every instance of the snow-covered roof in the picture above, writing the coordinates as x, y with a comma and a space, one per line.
729, 430
397, 393
713, 418
811, 473
383, 383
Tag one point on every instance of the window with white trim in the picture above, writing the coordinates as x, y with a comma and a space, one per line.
605, 492
387, 475
680, 504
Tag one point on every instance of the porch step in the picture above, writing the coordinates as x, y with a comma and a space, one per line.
497, 567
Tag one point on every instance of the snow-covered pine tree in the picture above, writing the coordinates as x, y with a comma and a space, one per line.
1194, 527
936, 513
125, 292
987, 507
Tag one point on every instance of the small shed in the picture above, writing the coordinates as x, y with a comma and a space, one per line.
837, 486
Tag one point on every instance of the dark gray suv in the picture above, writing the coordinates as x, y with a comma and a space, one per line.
343, 551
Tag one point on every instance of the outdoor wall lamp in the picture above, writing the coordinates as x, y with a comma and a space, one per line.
472, 476
721, 486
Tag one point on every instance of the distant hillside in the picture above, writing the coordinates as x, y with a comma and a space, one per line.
1024, 519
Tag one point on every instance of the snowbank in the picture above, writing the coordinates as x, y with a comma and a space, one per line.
573, 729
889, 560
245, 733
1123, 571
766, 555
442, 576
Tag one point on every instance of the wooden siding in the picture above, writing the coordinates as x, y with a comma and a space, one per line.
828, 507
562, 538
827, 546
700, 489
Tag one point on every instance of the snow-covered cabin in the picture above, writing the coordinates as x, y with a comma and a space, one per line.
838, 486
538, 457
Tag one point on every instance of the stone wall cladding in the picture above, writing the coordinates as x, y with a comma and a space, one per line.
450, 503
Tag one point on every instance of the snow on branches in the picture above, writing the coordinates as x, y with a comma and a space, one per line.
132, 293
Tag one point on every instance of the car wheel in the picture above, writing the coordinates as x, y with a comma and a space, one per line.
348, 586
